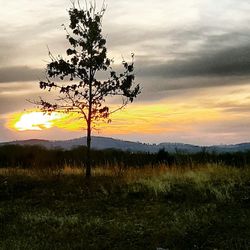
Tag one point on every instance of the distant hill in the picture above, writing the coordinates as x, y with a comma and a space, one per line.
97, 143
105, 143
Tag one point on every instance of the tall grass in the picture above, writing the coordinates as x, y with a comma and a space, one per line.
203, 182
203, 207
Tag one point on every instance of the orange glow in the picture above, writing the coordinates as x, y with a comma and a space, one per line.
154, 118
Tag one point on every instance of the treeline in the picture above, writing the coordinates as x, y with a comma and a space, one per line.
39, 157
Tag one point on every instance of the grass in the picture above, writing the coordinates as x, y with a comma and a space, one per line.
207, 207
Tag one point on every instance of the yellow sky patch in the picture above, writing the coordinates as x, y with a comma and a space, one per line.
144, 118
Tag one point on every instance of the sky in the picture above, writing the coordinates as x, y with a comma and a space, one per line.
192, 60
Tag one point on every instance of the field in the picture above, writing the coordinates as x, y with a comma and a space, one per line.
205, 207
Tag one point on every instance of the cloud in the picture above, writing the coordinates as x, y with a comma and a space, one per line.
227, 131
14, 96
19, 74
183, 49
27, 44
233, 61
13, 103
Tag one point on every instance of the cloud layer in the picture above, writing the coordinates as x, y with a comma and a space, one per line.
184, 50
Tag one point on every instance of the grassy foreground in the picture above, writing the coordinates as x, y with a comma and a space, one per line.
203, 208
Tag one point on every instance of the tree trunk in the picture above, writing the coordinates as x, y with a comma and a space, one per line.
88, 162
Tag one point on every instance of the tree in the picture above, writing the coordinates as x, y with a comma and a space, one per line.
75, 78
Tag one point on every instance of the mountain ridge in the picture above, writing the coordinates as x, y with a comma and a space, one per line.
108, 143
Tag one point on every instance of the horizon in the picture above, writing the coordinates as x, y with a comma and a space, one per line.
192, 61
124, 140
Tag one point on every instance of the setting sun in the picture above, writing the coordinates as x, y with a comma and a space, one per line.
36, 121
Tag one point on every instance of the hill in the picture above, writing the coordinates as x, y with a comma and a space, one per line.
106, 142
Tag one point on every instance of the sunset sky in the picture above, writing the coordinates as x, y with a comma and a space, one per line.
192, 61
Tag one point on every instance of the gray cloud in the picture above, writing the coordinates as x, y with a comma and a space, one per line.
230, 106
234, 61
16, 99
234, 127
26, 45
173, 88
19, 74
15, 103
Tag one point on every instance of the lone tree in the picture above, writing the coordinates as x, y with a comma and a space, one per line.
75, 78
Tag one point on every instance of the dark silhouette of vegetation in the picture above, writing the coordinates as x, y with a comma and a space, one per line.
40, 157
81, 90
203, 208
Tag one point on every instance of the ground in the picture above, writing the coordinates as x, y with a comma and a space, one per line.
203, 208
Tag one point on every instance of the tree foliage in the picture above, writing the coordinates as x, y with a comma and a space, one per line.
80, 90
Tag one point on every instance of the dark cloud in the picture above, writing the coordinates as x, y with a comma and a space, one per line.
234, 61
19, 74
189, 51
182, 57
160, 88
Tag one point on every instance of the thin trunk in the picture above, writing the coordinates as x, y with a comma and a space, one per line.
88, 163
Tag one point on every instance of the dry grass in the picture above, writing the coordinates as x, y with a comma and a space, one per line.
206, 207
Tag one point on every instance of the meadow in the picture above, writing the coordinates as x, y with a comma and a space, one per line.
171, 207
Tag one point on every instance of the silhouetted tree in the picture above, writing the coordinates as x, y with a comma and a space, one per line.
80, 90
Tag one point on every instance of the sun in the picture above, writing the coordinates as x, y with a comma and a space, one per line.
36, 121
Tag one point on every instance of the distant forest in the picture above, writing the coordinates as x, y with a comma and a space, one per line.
40, 157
